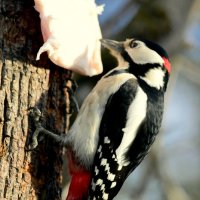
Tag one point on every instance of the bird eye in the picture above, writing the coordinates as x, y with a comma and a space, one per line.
133, 44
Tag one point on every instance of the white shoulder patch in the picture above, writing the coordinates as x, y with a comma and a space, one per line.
136, 114
154, 77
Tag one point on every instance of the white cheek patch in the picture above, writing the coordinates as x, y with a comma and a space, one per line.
154, 77
144, 55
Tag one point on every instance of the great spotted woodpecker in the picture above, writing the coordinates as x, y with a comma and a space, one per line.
118, 121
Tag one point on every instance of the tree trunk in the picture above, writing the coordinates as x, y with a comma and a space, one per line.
25, 83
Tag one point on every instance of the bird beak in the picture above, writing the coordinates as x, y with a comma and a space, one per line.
112, 45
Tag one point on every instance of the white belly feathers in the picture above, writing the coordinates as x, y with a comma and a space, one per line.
89, 117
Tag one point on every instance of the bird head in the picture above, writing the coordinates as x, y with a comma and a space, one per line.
147, 60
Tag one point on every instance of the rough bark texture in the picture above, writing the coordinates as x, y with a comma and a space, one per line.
24, 83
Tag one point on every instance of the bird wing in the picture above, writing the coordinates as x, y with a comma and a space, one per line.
123, 115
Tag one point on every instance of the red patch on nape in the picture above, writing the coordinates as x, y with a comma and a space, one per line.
167, 64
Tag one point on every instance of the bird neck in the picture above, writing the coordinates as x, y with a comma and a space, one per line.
151, 74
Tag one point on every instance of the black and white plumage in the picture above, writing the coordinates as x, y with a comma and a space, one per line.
128, 127
120, 118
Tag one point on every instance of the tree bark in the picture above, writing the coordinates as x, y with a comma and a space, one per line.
25, 83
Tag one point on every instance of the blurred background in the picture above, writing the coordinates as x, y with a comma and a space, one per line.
172, 169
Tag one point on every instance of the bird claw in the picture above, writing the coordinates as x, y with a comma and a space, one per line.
36, 115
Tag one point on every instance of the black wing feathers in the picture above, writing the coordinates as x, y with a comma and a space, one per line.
114, 117
107, 178
147, 131
108, 175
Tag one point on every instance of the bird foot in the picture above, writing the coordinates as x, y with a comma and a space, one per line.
36, 115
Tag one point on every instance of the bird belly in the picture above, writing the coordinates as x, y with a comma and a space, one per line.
84, 133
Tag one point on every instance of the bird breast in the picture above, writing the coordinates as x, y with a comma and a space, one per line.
84, 133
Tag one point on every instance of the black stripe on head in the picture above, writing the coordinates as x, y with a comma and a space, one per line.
138, 69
